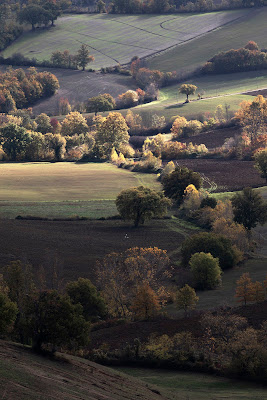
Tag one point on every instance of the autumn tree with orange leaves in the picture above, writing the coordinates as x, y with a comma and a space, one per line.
120, 276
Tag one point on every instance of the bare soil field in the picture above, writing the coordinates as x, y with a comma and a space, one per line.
228, 176
213, 139
26, 376
76, 246
79, 86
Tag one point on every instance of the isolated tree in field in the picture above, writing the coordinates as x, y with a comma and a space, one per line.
145, 304
53, 319
83, 57
186, 299
244, 287
188, 90
206, 270
120, 276
74, 123
219, 246
14, 140
175, 183
8, 313
140, 204
112, 132
261, 163
85, 293
249, 208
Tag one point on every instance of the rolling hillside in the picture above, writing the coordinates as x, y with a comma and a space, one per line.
116, 39
26, 376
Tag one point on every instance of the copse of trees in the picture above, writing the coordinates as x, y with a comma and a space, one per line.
43, 13
19, 88
248, 58
217, 245
175, 183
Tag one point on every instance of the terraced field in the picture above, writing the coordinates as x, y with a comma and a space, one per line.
116, 39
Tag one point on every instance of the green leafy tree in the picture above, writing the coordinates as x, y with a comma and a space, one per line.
84, 292
74, 124
43, 123
188, 90
186, 299
112, 132
83, 57
174, 184
8, 313
261, 163
219, 246
14, 140
140, 204
205, 270
249, 208
103, 102
31, 14
52, 319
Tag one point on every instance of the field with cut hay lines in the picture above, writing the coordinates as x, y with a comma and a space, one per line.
115, 39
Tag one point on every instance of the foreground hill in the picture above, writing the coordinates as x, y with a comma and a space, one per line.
24, 375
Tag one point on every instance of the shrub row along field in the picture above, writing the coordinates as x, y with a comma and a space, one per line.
116, 39
194, 53
65, 189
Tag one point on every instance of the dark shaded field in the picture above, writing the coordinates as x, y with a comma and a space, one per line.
229, 175
27, 376
75, 246
213, 139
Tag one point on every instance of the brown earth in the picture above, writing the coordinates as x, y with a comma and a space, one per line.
228, 176
26, 376
75, 246
214, 138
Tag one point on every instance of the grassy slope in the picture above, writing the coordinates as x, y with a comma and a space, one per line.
116, 39
198, 386
26, 376
218, 89
190, 55
65, 189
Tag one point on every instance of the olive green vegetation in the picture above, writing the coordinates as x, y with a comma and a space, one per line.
114, 39
198, 386
65, 189
194, 53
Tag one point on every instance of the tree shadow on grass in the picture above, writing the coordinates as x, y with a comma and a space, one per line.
176, 106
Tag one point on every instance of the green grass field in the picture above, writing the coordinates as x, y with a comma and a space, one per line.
116, 39
190, 55
65, 189
192, 386
217, 89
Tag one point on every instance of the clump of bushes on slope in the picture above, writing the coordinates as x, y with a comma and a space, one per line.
248, 58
